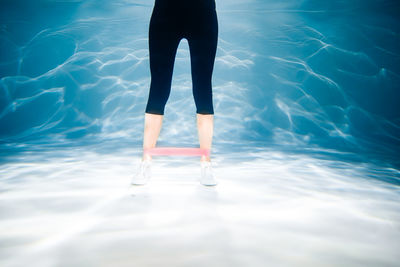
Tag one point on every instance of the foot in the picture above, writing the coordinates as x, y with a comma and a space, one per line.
207, 176
143, 173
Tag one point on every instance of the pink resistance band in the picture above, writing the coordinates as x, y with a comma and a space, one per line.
173, 151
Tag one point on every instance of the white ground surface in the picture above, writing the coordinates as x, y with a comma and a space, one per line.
270, 209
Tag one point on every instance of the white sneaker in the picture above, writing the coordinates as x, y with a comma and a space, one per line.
143, 174
207, 176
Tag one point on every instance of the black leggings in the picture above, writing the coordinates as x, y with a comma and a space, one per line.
172, 20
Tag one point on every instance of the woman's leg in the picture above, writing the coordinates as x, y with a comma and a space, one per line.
203, 45
152, 127
205, 125
163, 42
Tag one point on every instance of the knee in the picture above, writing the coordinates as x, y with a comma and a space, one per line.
205, 111
154, 109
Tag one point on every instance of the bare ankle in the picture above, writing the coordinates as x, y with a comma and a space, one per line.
204, 158
146, 157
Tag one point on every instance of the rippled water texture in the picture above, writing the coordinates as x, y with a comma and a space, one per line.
306, 137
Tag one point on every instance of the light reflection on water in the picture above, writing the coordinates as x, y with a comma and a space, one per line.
306, 138
75, 207
288, 73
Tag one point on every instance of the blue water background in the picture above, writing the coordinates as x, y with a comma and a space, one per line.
306, 138
303, 76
